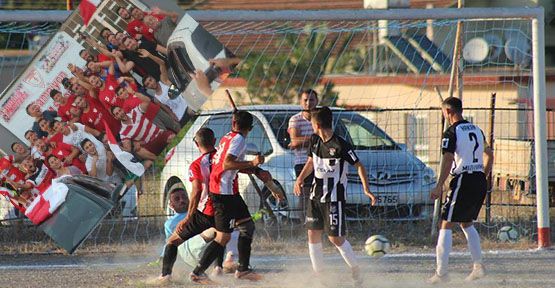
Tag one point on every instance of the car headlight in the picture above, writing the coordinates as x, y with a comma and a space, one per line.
429, 176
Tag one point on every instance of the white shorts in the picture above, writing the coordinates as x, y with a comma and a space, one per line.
191, 250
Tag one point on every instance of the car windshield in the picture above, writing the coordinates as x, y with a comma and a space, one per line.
356, 129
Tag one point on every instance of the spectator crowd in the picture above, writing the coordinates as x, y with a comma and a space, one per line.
123, 90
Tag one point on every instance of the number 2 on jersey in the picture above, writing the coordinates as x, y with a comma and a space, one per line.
472, 137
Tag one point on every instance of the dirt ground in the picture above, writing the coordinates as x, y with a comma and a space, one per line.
515, 268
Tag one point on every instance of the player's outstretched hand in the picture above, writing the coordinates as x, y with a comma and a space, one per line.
258, 159
298, 188
436, 193
373, 198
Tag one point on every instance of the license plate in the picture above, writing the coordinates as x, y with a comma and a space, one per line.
387, 200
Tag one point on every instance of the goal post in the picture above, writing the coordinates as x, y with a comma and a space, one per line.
540, 130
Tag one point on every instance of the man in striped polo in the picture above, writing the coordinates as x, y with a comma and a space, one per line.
300, 130
136, 128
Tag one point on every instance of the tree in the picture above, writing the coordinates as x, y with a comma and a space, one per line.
278, 77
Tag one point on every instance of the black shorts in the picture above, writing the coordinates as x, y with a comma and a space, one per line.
196, 225
228, 209
465, 199
329, 216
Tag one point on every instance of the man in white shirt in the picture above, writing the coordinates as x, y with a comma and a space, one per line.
177, 103
300, 130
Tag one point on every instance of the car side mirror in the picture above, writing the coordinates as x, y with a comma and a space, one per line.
252, 149
402, 146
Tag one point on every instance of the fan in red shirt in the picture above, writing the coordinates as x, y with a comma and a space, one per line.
161, 115
91, 114
136, 27
107, 88
137, 129
64, 103
65, 152
13, 177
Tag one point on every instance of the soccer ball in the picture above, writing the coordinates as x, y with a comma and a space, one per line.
507, 234
376, 246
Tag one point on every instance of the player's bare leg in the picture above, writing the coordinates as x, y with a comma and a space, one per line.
348, 255
473, 240
443, 248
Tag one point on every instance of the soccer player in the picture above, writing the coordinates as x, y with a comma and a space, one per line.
201, 210
300, 130
230, 209
328, 155
468, 158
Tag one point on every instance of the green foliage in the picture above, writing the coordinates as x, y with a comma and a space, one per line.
299, 62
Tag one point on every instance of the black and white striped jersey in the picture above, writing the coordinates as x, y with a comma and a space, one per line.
330, 161
467, 142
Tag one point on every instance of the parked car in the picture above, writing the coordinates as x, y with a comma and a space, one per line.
399, 179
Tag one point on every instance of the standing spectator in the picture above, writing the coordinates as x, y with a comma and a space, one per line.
106, 88
33, 110
99, 165
142, 65
135, 26
92, 115
46, 127
74, 133
160, 115
21, 152
162, 29
300, 130
57, 166
64, 103
137, 128
178, 105
89, 56
38, 176
68, 154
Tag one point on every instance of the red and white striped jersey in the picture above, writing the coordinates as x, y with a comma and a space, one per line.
222, 181
200, 170
140, 129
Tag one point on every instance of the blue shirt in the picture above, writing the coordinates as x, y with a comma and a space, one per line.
171, 223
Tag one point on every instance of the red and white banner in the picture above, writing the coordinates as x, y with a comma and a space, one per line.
87, 9
46, 203
43, 74
125, 158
